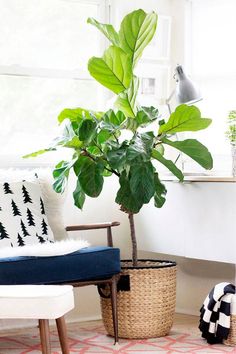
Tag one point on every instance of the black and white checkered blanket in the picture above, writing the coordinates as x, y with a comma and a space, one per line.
215, 313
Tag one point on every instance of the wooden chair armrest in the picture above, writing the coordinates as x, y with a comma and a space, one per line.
103, 225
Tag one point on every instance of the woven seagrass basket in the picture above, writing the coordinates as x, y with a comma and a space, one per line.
231, 340
146, 310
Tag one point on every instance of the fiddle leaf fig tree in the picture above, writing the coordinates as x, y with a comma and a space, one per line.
96, 138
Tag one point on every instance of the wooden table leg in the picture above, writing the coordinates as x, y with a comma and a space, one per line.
62, 333
45, 336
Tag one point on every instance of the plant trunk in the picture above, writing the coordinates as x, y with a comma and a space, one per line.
133, 240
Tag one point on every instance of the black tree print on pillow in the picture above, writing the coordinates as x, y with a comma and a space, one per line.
23, 228
42, 207
3, 233
15, 208
41, 239
44, 227
7, 189
26, 195
20, 240
30, 218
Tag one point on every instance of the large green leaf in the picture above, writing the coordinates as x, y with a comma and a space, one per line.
160, 192
146, 115
78, 164
77, 114
103, 136
87, 130
194, 149
74, 143
107, 171
68, 137
113, 70
184, 118
116, 119
160, 148
90, 177
126, 100
94, 151
79, 196
124, 196
168, 164
61, 173
37, 153
117, 157
142, 181
136, 31
140, 147
107, 29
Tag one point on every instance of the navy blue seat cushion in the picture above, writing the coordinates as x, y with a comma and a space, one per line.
86, 264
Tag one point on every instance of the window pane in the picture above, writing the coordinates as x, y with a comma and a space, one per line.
213, 28
48, 33
213, 58
29, 108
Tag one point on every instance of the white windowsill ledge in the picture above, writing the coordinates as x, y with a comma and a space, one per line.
197, 177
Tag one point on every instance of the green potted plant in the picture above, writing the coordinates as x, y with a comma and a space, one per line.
231, 136
100, 150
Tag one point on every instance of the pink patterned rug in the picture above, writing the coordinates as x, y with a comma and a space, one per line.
91, 338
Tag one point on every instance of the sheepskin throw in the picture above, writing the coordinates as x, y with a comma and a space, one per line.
44, 249
22, 215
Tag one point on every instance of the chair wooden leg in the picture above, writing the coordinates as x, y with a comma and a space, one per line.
62, 333
45, 336
113, 289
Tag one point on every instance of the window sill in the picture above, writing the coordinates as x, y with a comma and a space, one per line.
198, 177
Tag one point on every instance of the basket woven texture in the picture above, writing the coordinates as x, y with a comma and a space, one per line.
146, 310
231, 340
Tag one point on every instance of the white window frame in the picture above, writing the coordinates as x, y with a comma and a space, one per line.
17, 70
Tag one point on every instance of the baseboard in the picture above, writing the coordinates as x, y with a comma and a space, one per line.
99, 317
22, 323
11, 325
84, 319
187, 311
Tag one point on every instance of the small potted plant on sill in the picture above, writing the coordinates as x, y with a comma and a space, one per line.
100, 150
231, 136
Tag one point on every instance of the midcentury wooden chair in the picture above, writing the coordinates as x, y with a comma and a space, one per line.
91, 265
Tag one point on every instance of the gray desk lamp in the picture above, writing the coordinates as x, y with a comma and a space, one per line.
186, 91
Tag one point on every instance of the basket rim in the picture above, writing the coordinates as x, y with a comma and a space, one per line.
170, 264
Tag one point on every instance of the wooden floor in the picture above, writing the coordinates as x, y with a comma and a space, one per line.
186, 324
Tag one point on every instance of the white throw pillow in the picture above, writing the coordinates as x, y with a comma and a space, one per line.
22, 215
53, 203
